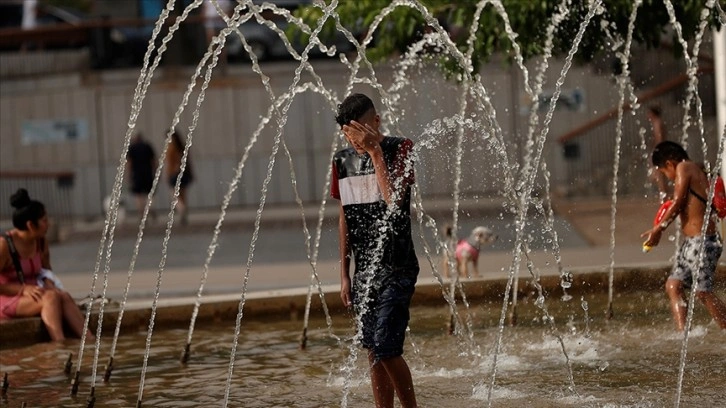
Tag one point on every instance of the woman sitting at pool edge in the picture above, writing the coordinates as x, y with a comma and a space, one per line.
20, 292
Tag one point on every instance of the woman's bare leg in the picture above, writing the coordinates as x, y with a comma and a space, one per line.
73, 316
52, 315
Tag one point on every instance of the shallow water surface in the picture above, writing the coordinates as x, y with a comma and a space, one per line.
629, 361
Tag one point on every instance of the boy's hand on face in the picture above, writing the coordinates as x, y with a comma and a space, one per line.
362, 136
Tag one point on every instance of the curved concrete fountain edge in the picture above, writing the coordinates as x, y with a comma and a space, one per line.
290, 303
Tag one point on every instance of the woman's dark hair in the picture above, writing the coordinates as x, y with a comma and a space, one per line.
176, 138
26, 209
353, 108
668, 150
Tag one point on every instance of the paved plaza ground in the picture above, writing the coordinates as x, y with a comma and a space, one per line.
275, 273
279, 259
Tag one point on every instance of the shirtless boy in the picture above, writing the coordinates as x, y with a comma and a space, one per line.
689, 193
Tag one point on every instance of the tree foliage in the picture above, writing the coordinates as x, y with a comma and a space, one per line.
529, 19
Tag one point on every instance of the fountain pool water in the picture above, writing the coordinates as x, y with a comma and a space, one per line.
626, 362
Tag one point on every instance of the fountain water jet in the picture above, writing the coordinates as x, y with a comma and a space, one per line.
519, 190
463, 108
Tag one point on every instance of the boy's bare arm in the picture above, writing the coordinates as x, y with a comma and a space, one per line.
382, 175
682, 183
343, 248
393, 185
680, 198
344, 251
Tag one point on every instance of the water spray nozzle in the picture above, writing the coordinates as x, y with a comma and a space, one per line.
91, 400
513, 316
109, 369
5, 385
304, 339
185, 354
75, 383
69, 364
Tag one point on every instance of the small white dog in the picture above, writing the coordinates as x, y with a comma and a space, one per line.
466, 251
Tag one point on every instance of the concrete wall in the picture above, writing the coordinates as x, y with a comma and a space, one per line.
235, 103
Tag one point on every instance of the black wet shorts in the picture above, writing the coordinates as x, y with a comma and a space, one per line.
385, 321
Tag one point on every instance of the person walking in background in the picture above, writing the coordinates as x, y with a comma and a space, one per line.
173, 162
27, 287
372, 179
659, 135
141, 165
695, 257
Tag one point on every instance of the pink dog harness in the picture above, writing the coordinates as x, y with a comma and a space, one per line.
465, 247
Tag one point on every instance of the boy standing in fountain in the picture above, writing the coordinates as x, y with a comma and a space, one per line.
372, 179
695, 257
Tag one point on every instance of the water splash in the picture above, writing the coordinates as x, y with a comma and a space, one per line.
708, 217
112, 216
475, 95
521, 217
624, 83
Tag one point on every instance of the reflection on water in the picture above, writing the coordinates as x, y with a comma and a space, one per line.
630, 361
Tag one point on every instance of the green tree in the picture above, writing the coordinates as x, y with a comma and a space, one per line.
528, 18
